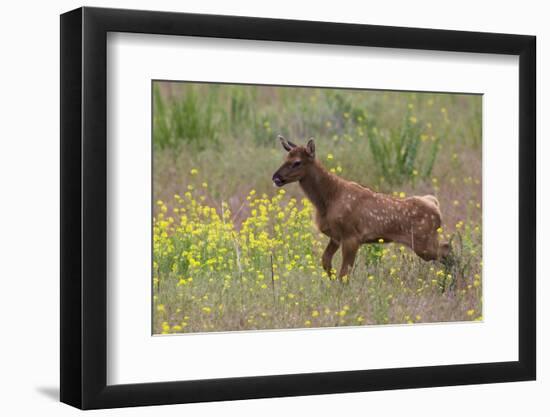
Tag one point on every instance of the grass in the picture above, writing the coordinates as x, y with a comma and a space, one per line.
233, 253
400, 153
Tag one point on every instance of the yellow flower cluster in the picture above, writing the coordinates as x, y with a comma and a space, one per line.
196, 238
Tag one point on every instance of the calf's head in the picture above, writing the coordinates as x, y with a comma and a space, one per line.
297, 163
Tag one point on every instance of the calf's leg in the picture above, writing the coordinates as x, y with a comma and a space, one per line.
431, 249
329, 252
349, 251
444, 250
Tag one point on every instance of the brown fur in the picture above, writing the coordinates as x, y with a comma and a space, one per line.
352, 215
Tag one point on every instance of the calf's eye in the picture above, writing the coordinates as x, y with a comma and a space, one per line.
296, 164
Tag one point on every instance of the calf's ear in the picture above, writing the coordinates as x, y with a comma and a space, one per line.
288, 145
310, 147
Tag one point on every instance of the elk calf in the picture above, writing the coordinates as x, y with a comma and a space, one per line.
352, 215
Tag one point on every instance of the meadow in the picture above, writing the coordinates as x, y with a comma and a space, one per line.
232, 252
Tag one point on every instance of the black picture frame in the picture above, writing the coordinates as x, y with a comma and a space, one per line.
84, 207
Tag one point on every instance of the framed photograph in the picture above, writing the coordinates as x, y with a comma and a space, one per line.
258, 208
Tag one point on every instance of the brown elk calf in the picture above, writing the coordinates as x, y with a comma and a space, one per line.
351, 215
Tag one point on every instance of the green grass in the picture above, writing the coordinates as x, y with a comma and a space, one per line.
192, 120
